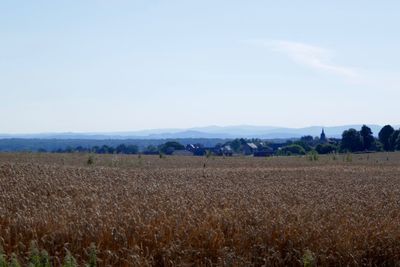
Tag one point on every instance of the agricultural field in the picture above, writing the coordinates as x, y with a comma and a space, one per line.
116, 210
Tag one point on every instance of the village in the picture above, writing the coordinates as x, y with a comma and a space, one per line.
255, 147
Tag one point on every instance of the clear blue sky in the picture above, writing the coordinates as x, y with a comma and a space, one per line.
128, 65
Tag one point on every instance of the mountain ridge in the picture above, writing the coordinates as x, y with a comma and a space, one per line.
223, 132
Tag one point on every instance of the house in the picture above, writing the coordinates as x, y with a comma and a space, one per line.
263, 152
249, 148
191, 147
199, 151
196, 149
225, 150
277, 146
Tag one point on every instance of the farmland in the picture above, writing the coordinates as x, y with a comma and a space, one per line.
184, 211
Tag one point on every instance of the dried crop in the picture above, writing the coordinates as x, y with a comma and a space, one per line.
179, 211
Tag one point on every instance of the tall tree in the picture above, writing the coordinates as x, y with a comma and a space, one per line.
393, 140
398, 143
366, 137
384, 136
308, 139
351, 140
170, 146
235, 145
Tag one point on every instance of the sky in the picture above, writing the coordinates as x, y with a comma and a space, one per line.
104, 66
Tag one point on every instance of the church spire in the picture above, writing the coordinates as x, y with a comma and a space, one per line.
323, 136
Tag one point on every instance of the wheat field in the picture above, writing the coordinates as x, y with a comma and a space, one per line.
196, 211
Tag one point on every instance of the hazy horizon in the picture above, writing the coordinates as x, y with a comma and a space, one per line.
205, 129
100, 66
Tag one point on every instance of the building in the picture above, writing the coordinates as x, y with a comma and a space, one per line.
191, 147
322, 138
196, 149
263, 152
249, 148
225, 150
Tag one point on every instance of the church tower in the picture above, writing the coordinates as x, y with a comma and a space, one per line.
323, 136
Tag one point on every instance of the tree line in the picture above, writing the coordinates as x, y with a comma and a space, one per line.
352, 140
166, 148
104, 149
363, 140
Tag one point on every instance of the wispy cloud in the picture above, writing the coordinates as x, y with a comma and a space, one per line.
314, 57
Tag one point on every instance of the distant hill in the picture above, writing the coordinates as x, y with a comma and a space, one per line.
219, 132
26, 144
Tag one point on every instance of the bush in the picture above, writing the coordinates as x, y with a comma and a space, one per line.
348, 158
304, 145
293, 150
313, 155
169, 147
151, 150
325, 148
90, 160
376, 146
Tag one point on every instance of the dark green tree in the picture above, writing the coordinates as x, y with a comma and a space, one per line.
105, 150
325, 148
384, 136
292, 150
169, 147
120, 149
398, 143
351, 140
131, 149
304, 145
367, 138
152, 150
393, 140
308, 139
236, 145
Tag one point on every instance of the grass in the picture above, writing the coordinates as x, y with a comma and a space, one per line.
313, 155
